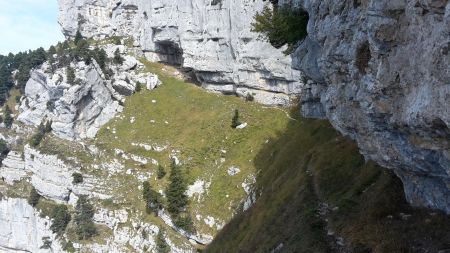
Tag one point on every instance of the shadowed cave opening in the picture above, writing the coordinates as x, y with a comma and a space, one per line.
170, 53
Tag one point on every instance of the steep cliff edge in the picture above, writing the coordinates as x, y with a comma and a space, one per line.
380, 73
212, 38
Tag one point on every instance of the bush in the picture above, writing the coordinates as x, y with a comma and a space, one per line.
78, 37
152, 198
116, 40
185, 222
282, 25
161, 244
118, 59
249, 97
60, 219
46, 243
161, 172
84, 212
4, 150
7, 117
70, 75
77, 178
40, 134
235, 120
34, 197
138, 87
175, 192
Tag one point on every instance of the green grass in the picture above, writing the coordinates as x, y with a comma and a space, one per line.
199, 126
308, 164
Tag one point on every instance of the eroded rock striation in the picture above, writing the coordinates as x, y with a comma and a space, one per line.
23, 230
380, 72
212, 38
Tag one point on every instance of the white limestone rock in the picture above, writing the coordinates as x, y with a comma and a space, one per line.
379, 70
76, 111
22, 229
215, 41
13, 168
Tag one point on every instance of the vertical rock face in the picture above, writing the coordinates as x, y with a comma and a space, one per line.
379, 70
212, 38
17, 217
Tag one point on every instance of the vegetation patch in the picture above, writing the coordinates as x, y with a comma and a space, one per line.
316, 187
282, 26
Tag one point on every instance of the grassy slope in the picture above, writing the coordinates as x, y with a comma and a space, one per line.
309, 164
198, 125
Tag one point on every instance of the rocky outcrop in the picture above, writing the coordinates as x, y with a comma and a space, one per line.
212, 38
51, 176
23, 230
379, 71
76, 111
80, 109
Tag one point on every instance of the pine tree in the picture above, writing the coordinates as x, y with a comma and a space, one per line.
84, 213
152, 198
60, 219
235, 120
51, 51
118, 59
175, 192
161, 243
78, 37
161, 172
34, 197
70, 75
7, 117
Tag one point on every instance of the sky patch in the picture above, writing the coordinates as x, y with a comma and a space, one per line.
28, 24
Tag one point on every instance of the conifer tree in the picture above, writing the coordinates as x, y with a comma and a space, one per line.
235, 120
175, 192
78, 37
7, 117
161, 172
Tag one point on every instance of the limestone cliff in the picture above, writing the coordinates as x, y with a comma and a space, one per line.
379, 71
23, 230
212, 38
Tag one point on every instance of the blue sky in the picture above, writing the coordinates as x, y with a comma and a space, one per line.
28, 24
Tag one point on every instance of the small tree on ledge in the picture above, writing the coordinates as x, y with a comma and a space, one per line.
235, 121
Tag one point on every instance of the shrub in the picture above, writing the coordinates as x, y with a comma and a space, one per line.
34, 197
161, 244
138, 87
60, 219
249, 97
46, 243
235, 120
161, 172
282, 25
3, 148
185, 222
152, 198
7, 117
118, 59
78, 37
117, 40
40, 134
50, 106
70, 75
77, 178
175, 192
84, 212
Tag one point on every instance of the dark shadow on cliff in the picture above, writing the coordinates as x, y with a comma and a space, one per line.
317, 194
